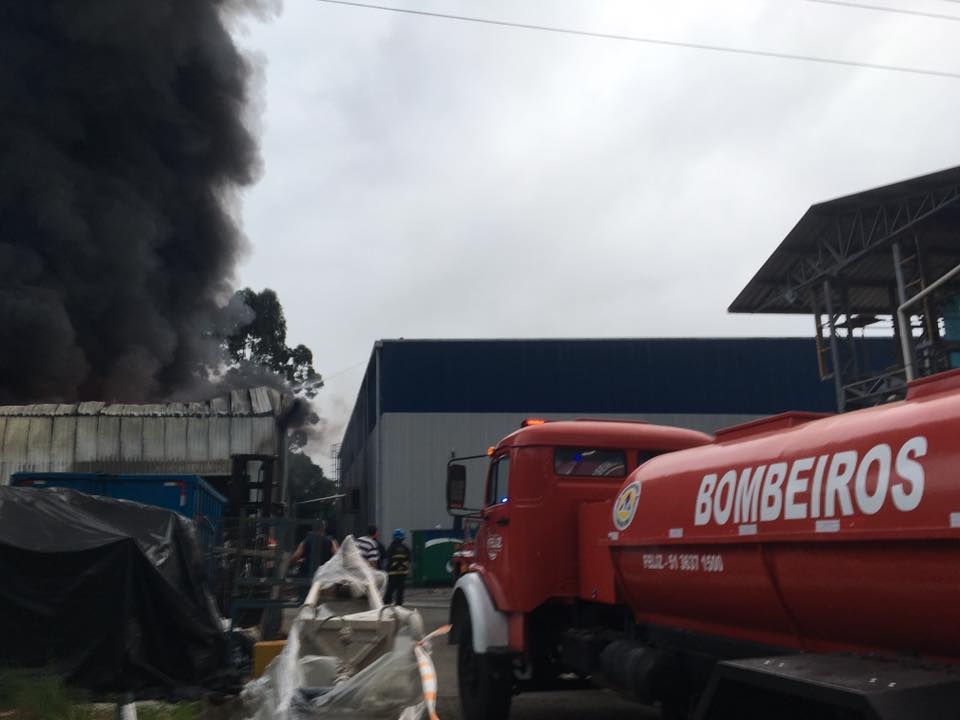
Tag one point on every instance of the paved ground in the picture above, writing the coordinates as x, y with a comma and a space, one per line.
433, 604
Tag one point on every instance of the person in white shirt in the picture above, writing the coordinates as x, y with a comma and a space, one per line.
370, 547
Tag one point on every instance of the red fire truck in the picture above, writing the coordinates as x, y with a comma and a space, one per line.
799, 566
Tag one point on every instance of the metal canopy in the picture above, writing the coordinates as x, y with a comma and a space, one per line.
887, 258
849, 240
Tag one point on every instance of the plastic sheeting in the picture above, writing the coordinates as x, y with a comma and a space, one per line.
348, 657
108, 593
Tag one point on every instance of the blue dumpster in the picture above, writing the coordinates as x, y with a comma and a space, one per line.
187, 495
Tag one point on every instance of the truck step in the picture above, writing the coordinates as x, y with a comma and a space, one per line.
869, 688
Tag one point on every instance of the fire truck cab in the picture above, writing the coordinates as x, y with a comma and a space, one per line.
527, 580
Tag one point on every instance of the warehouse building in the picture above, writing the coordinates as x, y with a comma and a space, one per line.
237, 442
423, 400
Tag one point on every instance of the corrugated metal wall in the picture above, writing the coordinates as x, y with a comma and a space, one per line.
417, 446
116, 438
360, 477
358, 458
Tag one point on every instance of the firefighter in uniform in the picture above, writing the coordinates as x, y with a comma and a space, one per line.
398, 567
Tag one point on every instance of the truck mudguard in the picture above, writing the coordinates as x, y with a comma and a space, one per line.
488, 624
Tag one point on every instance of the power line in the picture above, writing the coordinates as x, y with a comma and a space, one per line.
650, 41
881, 8
338, 373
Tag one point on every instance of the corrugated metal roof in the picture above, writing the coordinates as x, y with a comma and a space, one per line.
867, 274
89, 408
195, 437
241, 399
254, 402
220, 406
260, 401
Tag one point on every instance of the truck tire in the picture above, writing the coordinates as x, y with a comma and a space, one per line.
485, 680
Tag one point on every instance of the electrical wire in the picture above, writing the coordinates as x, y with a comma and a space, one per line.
343, 371
651, 41
881, 8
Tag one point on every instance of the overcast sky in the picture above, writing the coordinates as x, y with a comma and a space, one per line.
427, 178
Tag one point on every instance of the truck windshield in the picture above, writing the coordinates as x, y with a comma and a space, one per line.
498, 486
590, 462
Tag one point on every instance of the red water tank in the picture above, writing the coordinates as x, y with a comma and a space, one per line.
806, 532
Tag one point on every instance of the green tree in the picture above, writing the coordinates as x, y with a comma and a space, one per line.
259, 339
308, 482
255, 339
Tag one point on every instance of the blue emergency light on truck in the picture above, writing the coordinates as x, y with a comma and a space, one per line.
188, 495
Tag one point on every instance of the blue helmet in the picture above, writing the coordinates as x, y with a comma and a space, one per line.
399, 534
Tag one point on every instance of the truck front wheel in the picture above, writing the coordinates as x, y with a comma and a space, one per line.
485, 680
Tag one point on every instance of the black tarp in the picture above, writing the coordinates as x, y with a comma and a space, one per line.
109, 593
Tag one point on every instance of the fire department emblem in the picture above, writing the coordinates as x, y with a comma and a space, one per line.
625, 506
494, 546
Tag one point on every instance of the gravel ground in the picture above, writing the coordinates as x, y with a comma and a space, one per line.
433, 604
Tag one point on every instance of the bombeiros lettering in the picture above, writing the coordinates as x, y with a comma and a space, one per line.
817, 486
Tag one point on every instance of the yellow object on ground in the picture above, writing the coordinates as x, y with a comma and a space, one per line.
263, 652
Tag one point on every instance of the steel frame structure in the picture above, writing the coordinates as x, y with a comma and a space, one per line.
878, 240
860, 232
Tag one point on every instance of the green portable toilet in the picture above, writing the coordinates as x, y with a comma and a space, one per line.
432, 551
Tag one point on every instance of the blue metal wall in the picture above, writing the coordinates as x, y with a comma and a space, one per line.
736, 375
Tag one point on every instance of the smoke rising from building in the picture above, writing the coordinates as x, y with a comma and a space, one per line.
123, 141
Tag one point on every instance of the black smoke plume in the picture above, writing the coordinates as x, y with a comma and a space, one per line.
123, 141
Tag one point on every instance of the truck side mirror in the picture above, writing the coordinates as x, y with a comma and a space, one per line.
456, 486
